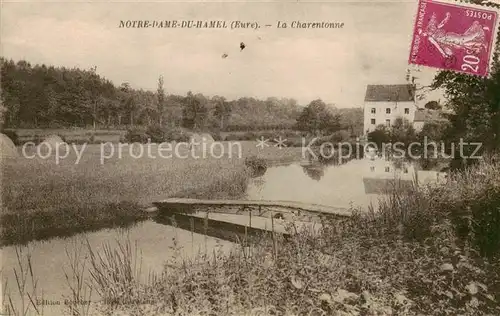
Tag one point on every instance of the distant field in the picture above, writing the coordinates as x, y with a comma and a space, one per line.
68, 132
82, 135
45, 198
71, 135
258, 132
128, 154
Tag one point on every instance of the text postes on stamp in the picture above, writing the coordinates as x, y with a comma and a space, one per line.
457, 37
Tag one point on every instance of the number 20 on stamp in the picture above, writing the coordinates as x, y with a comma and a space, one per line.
456, 37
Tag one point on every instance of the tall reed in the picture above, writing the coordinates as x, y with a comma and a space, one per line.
80, 297
22, 298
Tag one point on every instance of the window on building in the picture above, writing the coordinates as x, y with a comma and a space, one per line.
373, 111
407, 111
387, 169
405, 170
388, 123
388, 111
373, 121
372, 168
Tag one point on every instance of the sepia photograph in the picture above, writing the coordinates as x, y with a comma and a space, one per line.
234, 158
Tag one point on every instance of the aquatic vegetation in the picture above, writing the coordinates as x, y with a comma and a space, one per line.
256, 164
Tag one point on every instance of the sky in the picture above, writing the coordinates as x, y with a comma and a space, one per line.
334, 65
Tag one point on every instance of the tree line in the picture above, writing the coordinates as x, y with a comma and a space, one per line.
40, 96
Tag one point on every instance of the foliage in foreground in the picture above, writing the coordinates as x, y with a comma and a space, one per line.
428, 251
410, 257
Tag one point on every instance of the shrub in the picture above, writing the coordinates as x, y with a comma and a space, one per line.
268, 135
63, 137
379, 136
216, 136
434, 131
486, 222
12, 135
231, 137
256, 164
157, 133
241, 137
340, 136
249, 136
402, 131
80, 142
136, 135
473, 200
177, 135
470, 202
37, 139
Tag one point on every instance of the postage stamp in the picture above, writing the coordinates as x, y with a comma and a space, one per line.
454, 36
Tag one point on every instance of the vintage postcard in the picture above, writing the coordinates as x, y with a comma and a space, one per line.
250, 158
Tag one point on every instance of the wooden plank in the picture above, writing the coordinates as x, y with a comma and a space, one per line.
223, 230
185, 204
258, 222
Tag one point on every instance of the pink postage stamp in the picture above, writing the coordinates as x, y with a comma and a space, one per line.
457, 37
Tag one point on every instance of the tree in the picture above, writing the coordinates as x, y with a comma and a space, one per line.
3, 110
95, 95
475, 104
127, 101
11, 107
148, 102
43, 96
434, 131
160, 94
52, 103
222, 111
317, 118
194, 113
379, 136
352, 120
433, 105
402, 131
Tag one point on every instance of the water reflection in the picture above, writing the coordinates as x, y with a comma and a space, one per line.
258, 172
156, 243
233, 231
314, 171
358, 182
385, 176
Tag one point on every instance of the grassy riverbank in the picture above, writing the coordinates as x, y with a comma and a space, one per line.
43, 199
430, 251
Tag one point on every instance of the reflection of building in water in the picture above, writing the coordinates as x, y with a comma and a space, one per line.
383, 175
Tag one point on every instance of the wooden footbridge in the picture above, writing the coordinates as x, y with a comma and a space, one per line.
194, 215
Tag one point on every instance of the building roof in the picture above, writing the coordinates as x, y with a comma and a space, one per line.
384, 186
391, 92
426, 115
